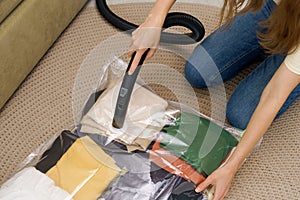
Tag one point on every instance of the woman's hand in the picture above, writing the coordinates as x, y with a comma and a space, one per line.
144, 37
221, 179
147, 36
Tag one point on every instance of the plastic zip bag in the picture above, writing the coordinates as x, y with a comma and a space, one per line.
168, 165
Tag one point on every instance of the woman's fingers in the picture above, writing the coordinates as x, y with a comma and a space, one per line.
143, 38
202, 186
150, 53
219, 194
136, 60
220, 180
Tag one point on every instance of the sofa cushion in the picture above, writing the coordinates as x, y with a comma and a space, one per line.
6, 6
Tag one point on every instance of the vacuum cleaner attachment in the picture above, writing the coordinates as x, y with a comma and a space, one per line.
125, 92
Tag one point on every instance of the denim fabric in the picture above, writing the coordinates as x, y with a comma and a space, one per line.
248, 92
225, 53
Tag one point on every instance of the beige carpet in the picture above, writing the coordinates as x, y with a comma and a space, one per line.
42, 106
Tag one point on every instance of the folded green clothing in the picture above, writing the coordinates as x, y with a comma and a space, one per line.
198, 141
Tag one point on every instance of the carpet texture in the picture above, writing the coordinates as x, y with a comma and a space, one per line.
42, 106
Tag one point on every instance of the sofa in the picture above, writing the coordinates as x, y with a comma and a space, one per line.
28, 28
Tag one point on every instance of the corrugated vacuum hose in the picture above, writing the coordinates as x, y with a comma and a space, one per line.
172, 19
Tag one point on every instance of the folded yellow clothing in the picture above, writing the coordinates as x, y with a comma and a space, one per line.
85, 170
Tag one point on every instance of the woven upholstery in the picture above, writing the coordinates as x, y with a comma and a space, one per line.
6, 6
42, 106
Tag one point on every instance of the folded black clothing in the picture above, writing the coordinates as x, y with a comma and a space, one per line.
172, 186
56, 151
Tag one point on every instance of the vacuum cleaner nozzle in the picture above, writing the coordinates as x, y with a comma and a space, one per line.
125, 92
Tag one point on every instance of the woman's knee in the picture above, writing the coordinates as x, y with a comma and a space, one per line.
200, 69
239, 111
193, 76
235, 116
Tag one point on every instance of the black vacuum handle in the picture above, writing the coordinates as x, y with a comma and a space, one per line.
126, 91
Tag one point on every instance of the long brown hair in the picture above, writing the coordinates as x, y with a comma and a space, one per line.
283, 26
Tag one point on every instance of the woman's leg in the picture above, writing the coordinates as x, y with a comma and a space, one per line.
246, 96
225, 52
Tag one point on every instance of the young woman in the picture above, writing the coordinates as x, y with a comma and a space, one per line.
258, 30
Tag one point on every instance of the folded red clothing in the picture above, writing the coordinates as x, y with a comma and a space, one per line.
173, 164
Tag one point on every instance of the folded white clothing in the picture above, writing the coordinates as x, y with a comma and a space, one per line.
31, 184
145, 114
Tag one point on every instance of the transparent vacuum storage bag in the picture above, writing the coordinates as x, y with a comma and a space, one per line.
163, 150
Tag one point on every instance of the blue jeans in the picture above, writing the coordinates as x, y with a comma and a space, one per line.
225, 53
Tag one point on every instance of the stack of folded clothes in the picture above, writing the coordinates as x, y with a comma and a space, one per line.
75, 168
193, 147
144, 119
160, 154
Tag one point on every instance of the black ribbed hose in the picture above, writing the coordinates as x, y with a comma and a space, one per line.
172, 19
